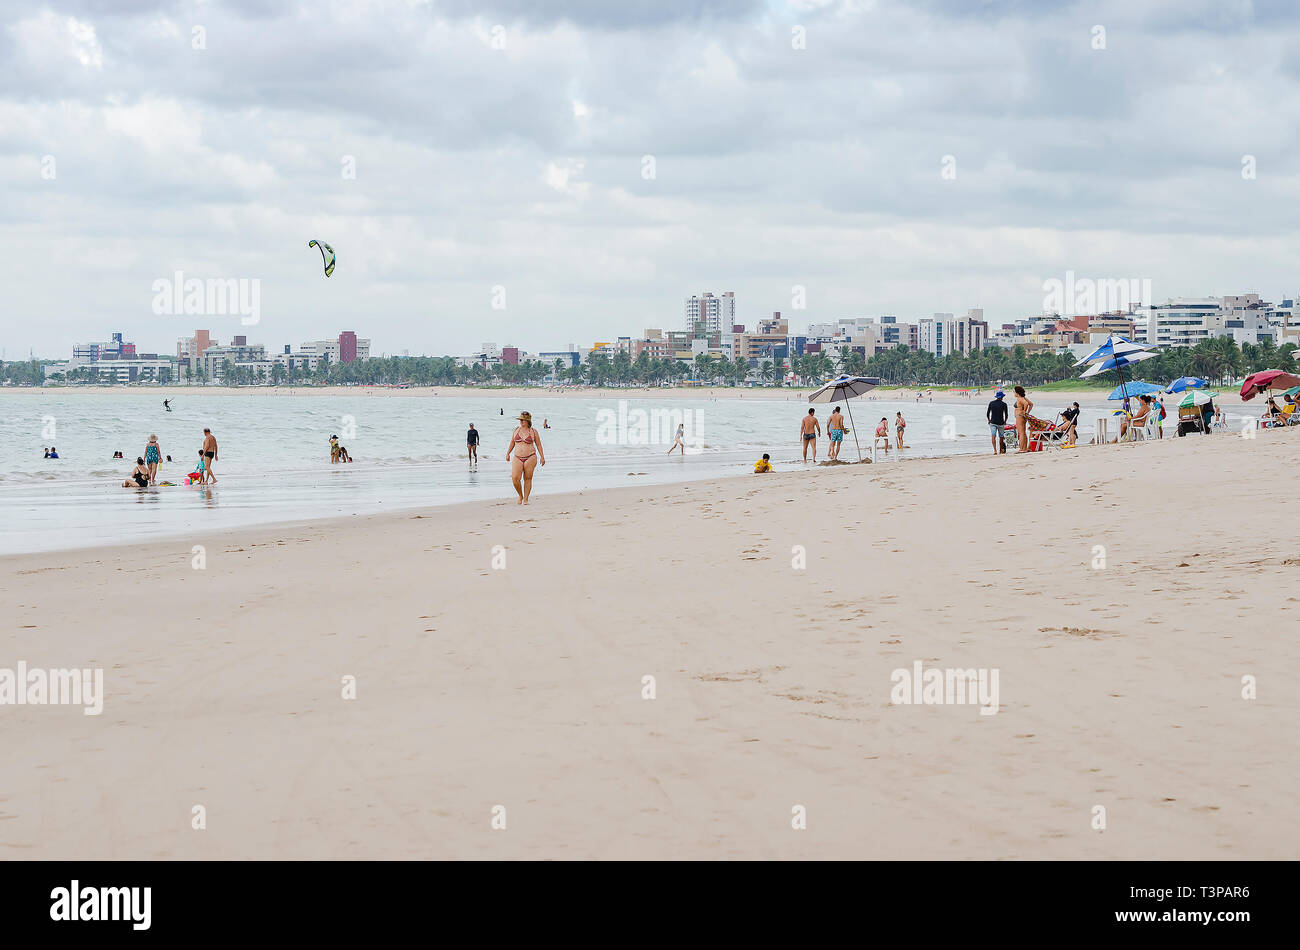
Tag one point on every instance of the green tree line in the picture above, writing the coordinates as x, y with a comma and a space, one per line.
1217, 360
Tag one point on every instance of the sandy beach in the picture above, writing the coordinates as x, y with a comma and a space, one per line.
499, 656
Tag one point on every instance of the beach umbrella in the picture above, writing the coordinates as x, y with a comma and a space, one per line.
1184, 383
1135, 388
842, 389
1195, 397
1114, 346
1256, 383
1116, 353
1115, 363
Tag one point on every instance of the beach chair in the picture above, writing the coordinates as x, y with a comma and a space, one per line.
1140, 433
1046, 435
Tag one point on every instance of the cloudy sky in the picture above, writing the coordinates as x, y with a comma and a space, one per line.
589, 163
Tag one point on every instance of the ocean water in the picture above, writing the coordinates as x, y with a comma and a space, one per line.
409, 451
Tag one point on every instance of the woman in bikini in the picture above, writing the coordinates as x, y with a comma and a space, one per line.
899, 425
526, 446
1023, 408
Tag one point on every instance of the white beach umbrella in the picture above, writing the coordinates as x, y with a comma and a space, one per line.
842, 389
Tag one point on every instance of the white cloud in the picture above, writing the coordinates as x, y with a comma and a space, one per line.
58, 39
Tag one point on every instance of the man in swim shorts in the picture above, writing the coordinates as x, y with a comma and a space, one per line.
809, 429
471, 442
835, 429
209, 455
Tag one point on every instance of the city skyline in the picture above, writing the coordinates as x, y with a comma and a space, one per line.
578, 162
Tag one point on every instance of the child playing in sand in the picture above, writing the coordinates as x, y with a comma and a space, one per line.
763, 465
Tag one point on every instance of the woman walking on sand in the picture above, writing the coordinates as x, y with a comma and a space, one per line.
151, 459
1023, 408
526, 445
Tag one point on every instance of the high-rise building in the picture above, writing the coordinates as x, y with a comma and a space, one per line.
716, 313
347, 346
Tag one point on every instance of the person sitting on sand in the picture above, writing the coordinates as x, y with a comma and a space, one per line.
763, 465
139, 475
1273, 412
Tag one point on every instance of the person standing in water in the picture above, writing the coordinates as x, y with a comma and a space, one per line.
151, 458
209, 455
809, 429
167, 404
899, 425
471, 443
526, 444
679, 440
835, 431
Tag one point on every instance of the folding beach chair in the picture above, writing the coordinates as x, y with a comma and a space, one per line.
1044, 435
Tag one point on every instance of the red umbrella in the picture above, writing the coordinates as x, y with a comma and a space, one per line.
1256, 383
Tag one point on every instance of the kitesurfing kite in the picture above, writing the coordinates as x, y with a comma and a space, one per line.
326, 255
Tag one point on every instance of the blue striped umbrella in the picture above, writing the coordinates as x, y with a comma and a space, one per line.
1135, 388
1186, 382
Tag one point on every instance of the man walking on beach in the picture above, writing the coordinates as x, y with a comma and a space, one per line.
835, 430
209, 456
810, 428
997, 417
471, 442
